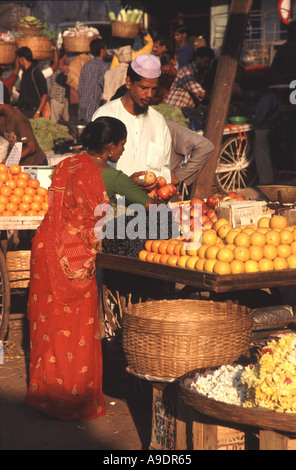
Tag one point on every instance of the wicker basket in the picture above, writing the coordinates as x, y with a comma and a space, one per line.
163, 340
257, 417
7, 52
40, 46
121, 29
18, 266
77, 44
28, 30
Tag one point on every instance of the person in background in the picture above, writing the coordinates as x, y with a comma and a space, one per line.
284, 60
160, 45
77, 61
59, 91
33, 88
16, 127
266, 118
189, 154
91, 81
10, 81
146, 49
66, 363
168, 62
187, 89
115, 77
183, 51
148, 143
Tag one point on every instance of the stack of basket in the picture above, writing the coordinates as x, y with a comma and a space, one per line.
40, 46
164, 340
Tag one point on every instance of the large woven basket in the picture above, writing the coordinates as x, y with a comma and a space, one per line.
7, 52
77, 44
18, 266
28, 30
256, 417
122, 29
40, 46
163, 340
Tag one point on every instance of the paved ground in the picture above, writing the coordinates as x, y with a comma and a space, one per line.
126, 425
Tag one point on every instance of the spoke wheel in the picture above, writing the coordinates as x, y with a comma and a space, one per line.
4, 297
236, 167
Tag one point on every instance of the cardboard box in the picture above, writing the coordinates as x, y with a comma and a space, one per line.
243, 212
41, 173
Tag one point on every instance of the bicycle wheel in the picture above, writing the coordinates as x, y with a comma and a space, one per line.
4, 297
236, 167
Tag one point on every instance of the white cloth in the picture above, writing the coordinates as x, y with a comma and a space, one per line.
148, 145
113, 79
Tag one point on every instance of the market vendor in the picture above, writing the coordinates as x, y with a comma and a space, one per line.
66, 358
16, 127
148, 143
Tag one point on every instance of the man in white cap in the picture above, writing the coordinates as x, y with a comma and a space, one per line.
148, 145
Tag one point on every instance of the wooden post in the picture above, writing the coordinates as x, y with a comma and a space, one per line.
222, 90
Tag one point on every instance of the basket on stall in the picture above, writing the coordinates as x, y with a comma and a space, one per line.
40, 46
256, 417
18, 266
77, 44
28, 30
7, 52
124, 29
163, 340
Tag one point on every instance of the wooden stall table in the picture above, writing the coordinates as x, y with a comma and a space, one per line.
169, 414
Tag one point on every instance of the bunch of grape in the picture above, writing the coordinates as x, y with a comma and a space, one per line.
120, 243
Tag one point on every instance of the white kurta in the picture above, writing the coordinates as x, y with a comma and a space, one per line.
148, 145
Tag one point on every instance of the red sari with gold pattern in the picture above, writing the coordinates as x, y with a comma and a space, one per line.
66, 356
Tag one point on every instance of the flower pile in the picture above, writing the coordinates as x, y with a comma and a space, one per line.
271, 382
223, 384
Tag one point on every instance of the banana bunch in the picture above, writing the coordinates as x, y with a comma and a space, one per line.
127, 15
30, 21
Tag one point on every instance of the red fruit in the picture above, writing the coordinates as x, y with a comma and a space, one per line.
240, 197
196, 200
208, 224
212, 201
204, 219
232, 194
153, 193
204, 208
211, 213
172, 188
164, 192
150, 177
160, 182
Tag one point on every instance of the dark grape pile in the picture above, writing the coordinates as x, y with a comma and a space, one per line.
131, 247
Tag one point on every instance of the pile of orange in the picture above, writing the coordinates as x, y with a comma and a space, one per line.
268, 246
19, 194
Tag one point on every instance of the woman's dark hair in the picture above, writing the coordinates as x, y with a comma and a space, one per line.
101, 132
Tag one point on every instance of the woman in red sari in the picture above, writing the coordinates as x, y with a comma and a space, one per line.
66, 356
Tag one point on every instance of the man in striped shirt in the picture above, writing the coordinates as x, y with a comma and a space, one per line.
91, 81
